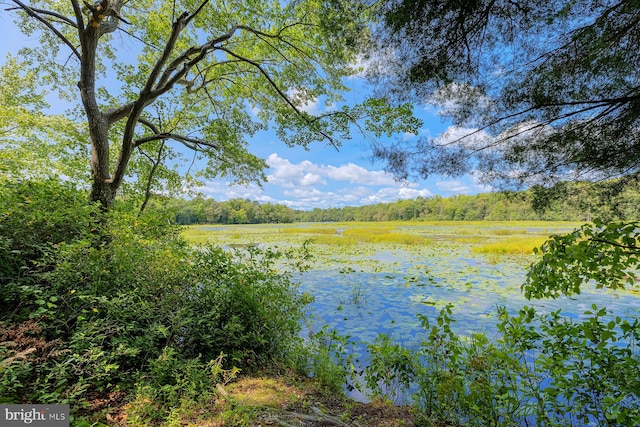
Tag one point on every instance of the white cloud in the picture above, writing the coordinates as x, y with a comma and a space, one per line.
307, 185
463, 137
386, 195
312, 179
224, 190
355, 174
455, 186
307, 193
285, 173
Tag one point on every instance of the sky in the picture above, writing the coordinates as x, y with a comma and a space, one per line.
321, 177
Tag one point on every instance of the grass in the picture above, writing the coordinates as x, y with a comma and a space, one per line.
279, 399
490, 237
310, 230
358, 294
512, 245
471, 239
508, 231
197, 235
383, 235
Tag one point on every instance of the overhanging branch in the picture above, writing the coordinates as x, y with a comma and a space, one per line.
189, 142
55, 15
31, 12
631, 249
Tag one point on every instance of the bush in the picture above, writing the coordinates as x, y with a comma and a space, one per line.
121, 296
248, 309
35, 218
541, 370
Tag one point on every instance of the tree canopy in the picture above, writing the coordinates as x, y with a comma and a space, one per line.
35, 144
152, 75
536, 91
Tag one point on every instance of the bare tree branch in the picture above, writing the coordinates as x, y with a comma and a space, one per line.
189, 142
631, 249
282, 95
178, 25
56, 15
29, 11
77, 10
590, 105
155, 163
267, 76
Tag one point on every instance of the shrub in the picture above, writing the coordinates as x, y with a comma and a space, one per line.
35, 218
122, 295
541, 370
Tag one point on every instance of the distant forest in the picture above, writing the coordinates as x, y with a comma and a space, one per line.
568, 202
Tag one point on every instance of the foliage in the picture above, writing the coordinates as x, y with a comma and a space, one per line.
35, 144
31, 231
543, 369
537, 91
173, 383
203, 76
328, 357
607, 253
235, 211
391, 369
574, 202
241, 296
131, 307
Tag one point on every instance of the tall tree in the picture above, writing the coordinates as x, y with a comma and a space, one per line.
205, 74
537, 91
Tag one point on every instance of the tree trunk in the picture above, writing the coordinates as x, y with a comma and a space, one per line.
102, 189
102, 192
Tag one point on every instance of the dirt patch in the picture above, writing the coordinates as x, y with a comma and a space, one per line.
300, 402
278, 400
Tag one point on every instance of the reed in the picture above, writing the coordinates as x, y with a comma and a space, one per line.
508, 232
514, 245
384, 235
310, 230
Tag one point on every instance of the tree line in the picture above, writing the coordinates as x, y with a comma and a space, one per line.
568, 202
208, 211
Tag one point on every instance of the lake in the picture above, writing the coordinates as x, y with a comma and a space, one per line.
372, 278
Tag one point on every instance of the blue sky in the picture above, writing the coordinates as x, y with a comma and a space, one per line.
321, 176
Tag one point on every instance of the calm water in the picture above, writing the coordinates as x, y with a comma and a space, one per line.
364, 290
359, 301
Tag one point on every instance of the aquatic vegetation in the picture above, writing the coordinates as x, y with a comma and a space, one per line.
383, 235
197, 235
470, 239
358, 294
509, 231
512, 245
310, 230
334, 240
424, 316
